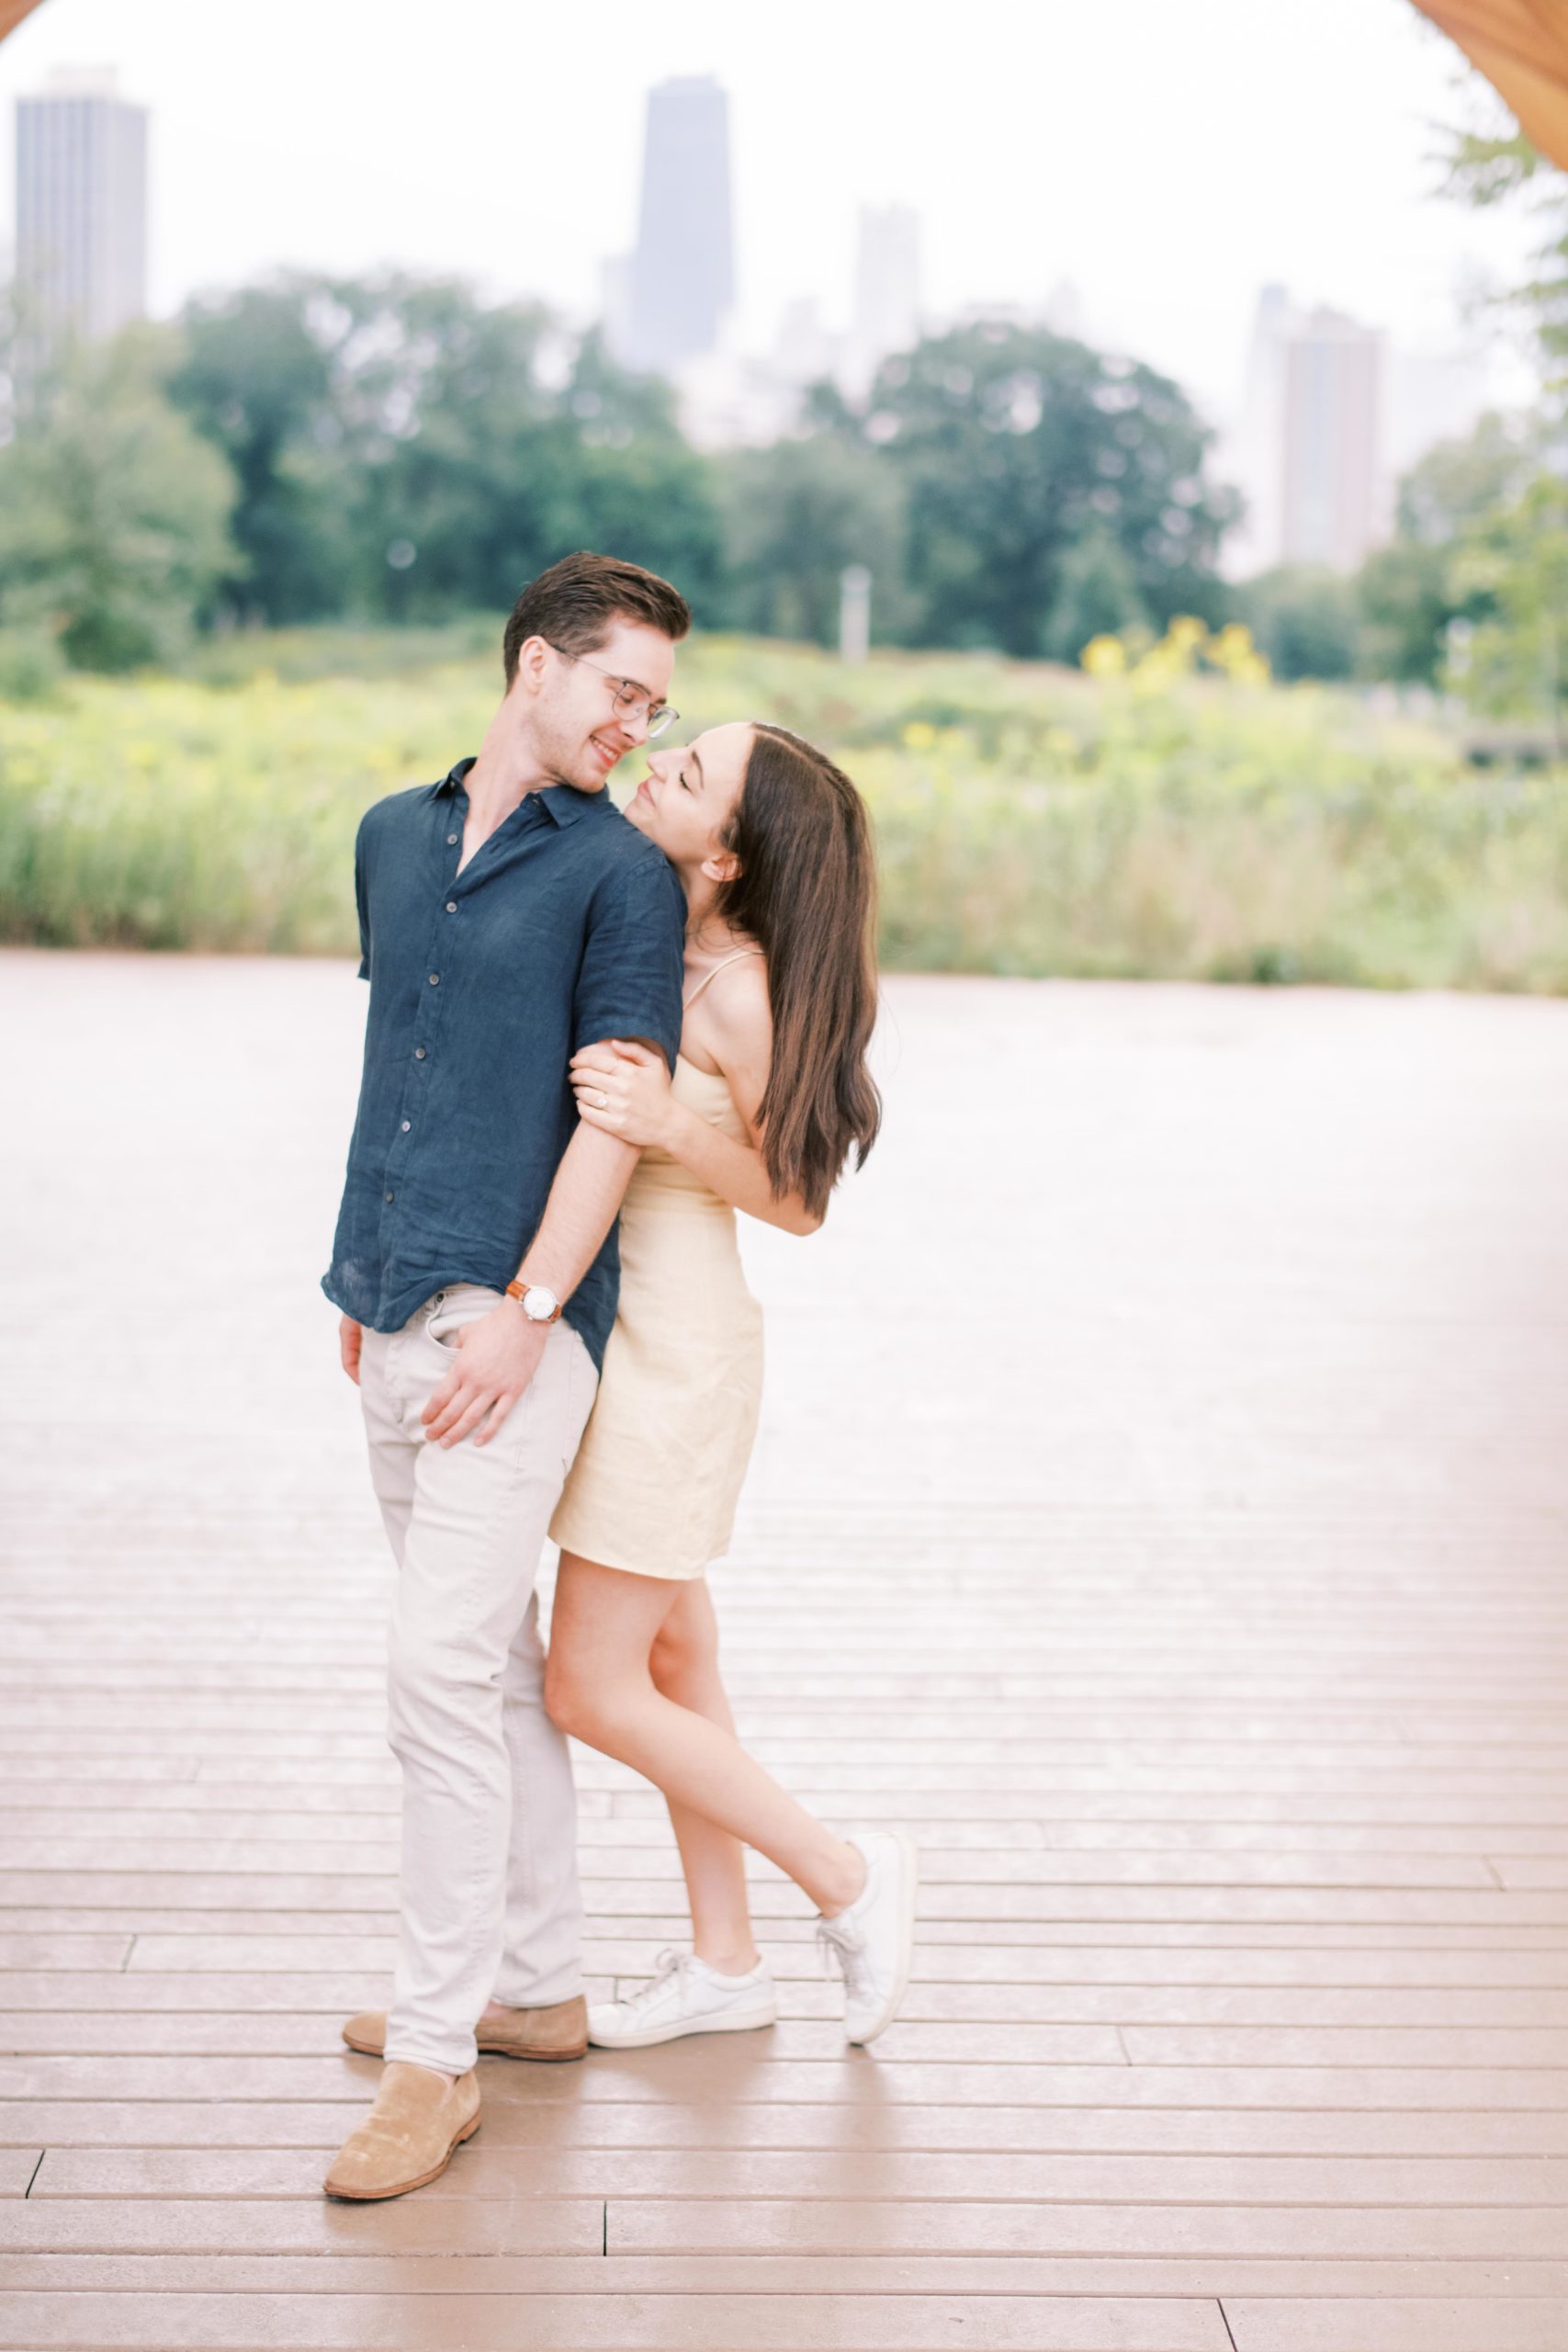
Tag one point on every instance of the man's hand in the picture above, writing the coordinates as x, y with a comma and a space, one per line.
497, 1357
349, 1340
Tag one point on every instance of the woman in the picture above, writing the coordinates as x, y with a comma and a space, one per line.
769, 1096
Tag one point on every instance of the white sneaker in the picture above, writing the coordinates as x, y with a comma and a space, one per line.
685, 1997
873, 1940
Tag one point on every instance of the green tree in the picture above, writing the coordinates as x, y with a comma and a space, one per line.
1408, 594
405, 450
795, 516
1097, 595
632, 483
1304, 618
255, 380
114, 511
1516, 560
1011, 447
459, 460
1404, 604
1498, 167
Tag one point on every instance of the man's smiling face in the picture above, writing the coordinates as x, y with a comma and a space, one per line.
579, 733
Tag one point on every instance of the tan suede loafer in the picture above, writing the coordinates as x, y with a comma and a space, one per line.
408, 2136
557, 2031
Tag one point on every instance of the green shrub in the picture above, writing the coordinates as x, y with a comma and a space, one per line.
1029, 821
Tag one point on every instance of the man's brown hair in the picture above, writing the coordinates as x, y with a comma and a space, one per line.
573, 605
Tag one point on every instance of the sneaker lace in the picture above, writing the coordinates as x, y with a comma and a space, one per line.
669, 1963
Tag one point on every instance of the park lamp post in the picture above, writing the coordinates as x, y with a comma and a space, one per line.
854, 612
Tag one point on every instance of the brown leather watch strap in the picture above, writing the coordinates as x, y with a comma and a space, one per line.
518, 1289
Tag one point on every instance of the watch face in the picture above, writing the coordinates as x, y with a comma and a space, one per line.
539, 1304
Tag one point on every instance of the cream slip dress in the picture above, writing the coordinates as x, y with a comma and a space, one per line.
654, 1485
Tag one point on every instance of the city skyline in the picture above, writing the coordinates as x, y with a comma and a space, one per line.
1145, 157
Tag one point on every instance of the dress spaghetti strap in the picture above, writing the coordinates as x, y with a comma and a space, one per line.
738, 956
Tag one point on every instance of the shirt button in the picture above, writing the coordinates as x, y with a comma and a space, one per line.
451, 905
406, 1126
388, 1196
419, 1053
436, 979
451, 840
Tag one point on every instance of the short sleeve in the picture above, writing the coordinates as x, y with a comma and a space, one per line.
362, 899
628, 984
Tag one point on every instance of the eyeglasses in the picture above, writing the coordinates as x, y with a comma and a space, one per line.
632, 702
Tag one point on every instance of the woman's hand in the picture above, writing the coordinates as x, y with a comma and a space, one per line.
624, 1091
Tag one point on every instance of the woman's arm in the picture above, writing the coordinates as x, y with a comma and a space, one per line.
625, 1090
734, 1171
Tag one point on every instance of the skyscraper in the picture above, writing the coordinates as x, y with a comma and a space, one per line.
81, 208
1252, 456
888, 289
1333, 442
682, 270
1310, 452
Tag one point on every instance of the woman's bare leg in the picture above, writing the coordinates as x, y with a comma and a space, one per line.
599, 1687
684, 1668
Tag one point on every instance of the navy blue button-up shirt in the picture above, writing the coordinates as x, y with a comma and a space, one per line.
564, 928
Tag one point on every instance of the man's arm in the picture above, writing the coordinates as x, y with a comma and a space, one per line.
584, 1201
499, 1354
628, 985
362, 895
350, 1336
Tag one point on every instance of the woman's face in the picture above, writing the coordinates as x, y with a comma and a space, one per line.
685, 800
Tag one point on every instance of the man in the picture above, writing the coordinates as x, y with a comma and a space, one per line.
509, 915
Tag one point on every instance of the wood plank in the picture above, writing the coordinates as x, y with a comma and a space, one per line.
956, 1835
1061, 1807
968, 2177
523, 2120
607, 2323
1302, 2234
28, 1949
1444, 1895
1332, 2045
628, 2075
979, 2277
313, 2225
1138, 1977
1537, 2323
948, 1874
1488, 2029
802, 1999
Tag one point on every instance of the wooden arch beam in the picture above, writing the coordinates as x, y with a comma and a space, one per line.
1521, 46
12, 12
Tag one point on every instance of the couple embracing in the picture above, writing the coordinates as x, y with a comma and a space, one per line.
590, 1038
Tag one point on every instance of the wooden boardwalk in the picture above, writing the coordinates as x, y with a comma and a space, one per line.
1197, 1595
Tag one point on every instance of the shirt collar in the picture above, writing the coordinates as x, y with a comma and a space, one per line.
565, 804
561, 802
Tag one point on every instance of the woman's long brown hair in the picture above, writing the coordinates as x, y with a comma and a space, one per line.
806, 894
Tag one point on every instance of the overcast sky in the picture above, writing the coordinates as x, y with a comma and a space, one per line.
1168, 159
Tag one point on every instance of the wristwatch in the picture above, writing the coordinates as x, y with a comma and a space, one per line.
539, 1304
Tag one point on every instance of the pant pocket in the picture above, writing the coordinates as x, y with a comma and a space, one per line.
450, 1311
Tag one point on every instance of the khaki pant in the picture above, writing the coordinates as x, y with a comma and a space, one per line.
489, 1899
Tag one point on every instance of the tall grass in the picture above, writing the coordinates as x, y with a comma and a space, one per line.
1029, 820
